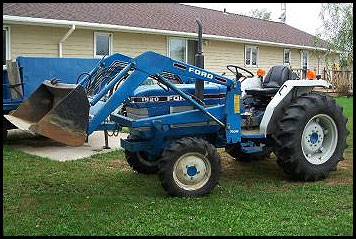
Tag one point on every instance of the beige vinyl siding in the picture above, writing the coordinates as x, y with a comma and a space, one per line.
79, 44
218, 54
267, 57
29, 40
295, 58
133, 44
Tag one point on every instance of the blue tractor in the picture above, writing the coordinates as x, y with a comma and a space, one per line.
179, 120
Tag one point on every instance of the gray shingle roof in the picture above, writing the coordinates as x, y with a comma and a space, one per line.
164, 16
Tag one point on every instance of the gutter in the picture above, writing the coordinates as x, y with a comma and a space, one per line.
64, 38
99, 26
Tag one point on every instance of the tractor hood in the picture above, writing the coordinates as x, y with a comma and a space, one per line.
154, 95
152, 100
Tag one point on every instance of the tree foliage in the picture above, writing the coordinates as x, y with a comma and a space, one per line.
338, 29
260, 13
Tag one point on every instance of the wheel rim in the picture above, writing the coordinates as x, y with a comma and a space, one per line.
319, 139
191, 171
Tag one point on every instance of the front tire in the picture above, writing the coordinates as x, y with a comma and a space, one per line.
310, 137
189, 167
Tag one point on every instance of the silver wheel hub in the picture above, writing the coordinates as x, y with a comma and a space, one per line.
319, 139
191, 171
313, 139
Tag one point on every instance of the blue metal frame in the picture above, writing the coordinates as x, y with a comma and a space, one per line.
151, 64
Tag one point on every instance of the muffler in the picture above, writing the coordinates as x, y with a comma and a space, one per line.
56, 110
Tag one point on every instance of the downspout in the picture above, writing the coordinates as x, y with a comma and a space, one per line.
64, 38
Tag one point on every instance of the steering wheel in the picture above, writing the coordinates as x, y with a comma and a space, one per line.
238, 75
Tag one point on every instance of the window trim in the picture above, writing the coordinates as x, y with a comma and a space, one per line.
301, 59
257, 56
8, 45
290, 57
111, 43
186, 47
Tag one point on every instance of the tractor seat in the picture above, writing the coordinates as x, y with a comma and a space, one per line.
274, 79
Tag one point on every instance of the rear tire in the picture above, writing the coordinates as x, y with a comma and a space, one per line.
235, 152
189, 167
310, 137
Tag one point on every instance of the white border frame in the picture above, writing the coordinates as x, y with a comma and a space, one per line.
290, 56
257, 56
301, 59
8, 42
111, 43
186, 47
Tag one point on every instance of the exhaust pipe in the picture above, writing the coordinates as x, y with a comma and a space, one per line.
199, 62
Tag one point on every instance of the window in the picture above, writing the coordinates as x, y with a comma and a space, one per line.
5, 45
182, 49
286, 57
251, 56
102, 44
304, 59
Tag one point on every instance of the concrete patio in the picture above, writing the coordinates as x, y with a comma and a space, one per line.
45, 147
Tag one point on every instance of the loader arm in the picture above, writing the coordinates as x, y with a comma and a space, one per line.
148, 64
68, 113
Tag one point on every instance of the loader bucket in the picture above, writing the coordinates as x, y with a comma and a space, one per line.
59, 112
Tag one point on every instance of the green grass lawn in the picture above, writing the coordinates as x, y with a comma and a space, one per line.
101, 195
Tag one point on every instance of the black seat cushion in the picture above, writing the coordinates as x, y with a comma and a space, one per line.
274, 79
276, 76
